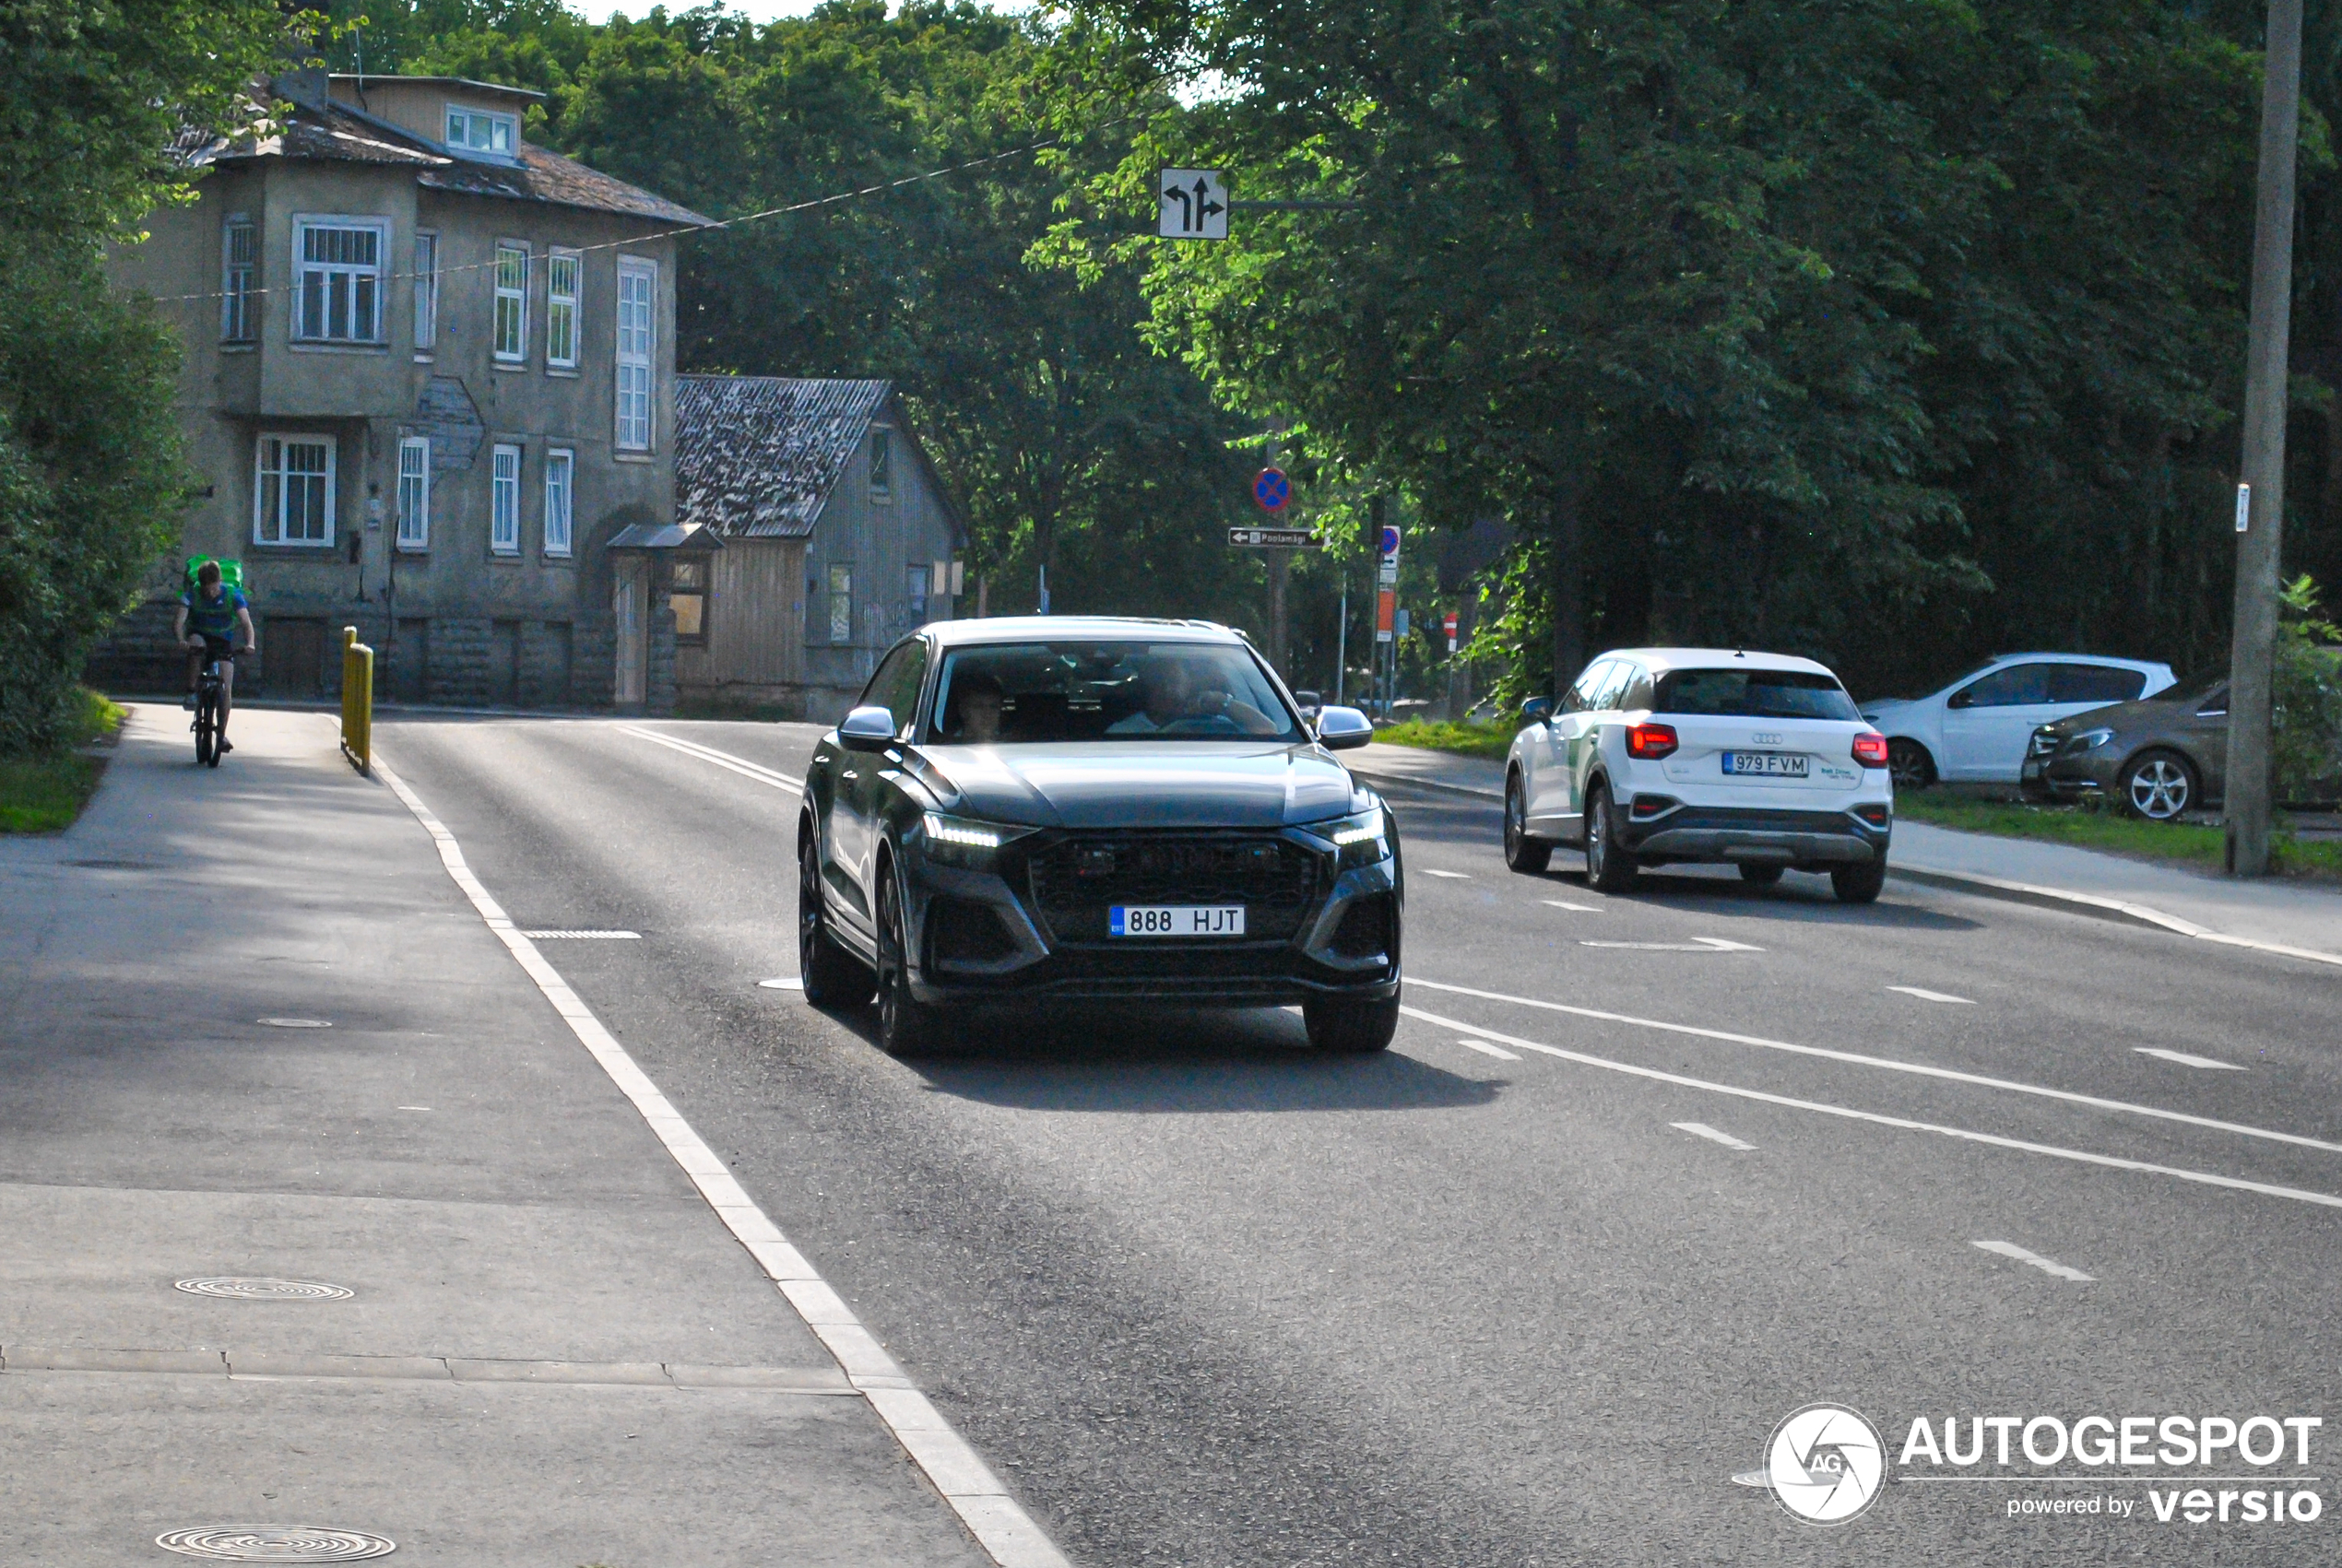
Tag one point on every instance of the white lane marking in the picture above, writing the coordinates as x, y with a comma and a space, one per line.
1452, 876
2010, 1249
583, 935
782, 982
2187, 1061
1697, 945
1701, 1129
296, 1022
1859, 1060
1993, 1139
1926, 996
414, 1107
1487, 1050
1578, 908
999, 1525
739, 765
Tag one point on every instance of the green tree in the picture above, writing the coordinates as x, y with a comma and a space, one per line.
95, 99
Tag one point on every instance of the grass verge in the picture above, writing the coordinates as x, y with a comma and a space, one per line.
1492, 741
2190, 843
44, 792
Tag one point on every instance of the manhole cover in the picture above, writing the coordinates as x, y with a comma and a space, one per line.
233, 1288
272, 1543
1753, 1477
298, 1023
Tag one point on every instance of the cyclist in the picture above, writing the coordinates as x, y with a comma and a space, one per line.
207, 614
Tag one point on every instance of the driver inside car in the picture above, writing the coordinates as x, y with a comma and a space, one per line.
1175, 700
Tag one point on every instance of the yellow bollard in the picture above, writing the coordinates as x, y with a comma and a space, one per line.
357, 701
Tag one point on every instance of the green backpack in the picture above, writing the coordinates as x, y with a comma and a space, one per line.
231, 573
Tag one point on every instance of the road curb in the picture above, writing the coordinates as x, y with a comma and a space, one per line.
2099, 908
1402, 781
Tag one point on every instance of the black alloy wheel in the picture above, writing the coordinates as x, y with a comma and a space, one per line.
906, 1025
2159, 786
1908, 766
830, 974
1522, 853
1759, 875
1859, 884
1609, 869
1349, 1027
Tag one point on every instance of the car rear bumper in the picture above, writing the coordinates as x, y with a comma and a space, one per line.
1757, 836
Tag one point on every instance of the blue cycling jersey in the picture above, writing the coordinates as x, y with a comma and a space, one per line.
213, 617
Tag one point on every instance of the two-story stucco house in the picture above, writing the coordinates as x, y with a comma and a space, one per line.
429, 380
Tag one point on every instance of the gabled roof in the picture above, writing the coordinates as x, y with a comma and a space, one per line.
329, 131
755, 456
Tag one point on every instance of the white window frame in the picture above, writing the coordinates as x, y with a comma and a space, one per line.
562, 307
561, 501
270, 530
514, 295
460, 135
238, 277
635, 392
426, 288
368, 281
414, 493
503, 500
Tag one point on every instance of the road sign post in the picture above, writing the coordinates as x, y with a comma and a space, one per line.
1193, 203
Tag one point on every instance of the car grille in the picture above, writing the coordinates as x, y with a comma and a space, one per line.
1076, 879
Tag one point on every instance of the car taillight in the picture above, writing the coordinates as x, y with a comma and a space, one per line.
1651, 742
1870, 749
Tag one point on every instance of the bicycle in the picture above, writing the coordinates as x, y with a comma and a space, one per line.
211, 702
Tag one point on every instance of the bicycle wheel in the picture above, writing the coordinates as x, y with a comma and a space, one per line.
206, 731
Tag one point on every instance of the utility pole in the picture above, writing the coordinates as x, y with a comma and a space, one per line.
2261, 501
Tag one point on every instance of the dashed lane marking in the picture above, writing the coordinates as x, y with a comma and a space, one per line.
1701, 1129
1994, 1140
1451, 876
1697, 945
739, 765
1487, 1050
998, 1522
1949, 1075
1926, 996
1574, 908
2187, 1061
2010, 1249
782, 982
583, 935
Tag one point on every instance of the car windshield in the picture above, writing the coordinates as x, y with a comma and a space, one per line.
1753, 694
1031, 693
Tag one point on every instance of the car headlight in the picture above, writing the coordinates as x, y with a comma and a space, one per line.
1360, 840
964, 841
2090, 741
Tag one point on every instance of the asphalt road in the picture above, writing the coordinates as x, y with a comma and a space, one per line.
1212, 1300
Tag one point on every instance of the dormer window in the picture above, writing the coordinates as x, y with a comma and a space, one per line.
479, 130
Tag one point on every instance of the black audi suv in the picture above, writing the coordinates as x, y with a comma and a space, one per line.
1106, 810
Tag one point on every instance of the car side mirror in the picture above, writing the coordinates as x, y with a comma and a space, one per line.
1308, 702
1340, 729
1963, 697
1537, 710
868, 729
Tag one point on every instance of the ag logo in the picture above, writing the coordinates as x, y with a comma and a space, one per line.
1824, 1463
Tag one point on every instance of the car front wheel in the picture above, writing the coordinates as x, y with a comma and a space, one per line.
1522, 853
2159, 786
831, 976
1609, 869
906, 1025
1347, 1026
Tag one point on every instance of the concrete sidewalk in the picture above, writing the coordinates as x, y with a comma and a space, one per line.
255, 1033
2284, 916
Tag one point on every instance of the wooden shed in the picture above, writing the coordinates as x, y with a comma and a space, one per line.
838, 537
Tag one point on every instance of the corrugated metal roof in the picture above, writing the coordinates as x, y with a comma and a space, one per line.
755, 456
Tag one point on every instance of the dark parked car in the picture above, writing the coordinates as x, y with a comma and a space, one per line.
2159, 757
1057, 807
